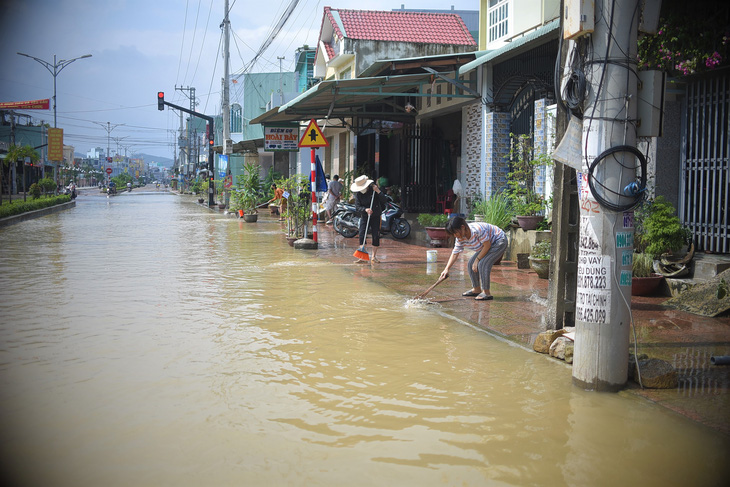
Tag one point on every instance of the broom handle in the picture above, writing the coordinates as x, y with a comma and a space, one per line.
367, 224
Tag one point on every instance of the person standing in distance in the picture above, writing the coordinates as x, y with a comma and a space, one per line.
334, 190
368, 194
488, 242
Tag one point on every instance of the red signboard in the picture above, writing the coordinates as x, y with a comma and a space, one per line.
55, 145
108, 170
26, 105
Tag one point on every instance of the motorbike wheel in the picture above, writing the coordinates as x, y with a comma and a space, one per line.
401, 228
345, 231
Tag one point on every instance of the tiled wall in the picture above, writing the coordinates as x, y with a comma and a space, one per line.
471, 153
497, 166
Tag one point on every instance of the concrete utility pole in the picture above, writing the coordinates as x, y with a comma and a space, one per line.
226, 101
605, 249
281, 86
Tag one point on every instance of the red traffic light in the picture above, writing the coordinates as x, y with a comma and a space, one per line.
160, 100
211, 142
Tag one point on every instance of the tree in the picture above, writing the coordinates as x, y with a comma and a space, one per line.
17, 153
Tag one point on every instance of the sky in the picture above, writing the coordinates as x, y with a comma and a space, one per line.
141, 47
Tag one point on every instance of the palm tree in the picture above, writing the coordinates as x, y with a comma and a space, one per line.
17, 153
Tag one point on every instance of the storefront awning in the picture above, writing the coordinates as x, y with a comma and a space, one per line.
361, 97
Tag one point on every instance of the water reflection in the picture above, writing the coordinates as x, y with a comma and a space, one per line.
182, 347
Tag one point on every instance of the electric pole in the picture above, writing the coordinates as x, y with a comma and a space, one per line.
607, 198
226, 102
281, 85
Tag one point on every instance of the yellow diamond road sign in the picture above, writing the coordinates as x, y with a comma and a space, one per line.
313, 136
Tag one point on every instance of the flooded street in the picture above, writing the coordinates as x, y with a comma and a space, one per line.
148, 341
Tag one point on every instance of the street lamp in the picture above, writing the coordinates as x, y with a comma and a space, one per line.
54, 69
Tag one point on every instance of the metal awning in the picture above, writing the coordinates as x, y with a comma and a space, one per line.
361, 97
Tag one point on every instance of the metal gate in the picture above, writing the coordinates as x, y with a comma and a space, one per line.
419, 172
705, 195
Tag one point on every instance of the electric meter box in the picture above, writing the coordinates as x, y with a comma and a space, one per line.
650, 106
579, 18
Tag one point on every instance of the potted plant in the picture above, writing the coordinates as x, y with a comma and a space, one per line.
250, 188
540, 259
434, 224
497, 210
658, 234
527, 204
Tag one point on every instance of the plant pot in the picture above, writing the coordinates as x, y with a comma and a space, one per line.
439, 236
645, 286
221, 206
529, 222
250, 217
523, 261
201, 200
540, 266
291, 240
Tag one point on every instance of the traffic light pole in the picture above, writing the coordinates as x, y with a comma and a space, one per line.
211, 167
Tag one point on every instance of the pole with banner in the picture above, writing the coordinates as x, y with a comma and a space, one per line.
313, 138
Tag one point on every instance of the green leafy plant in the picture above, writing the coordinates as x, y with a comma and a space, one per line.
497, 210
35, 191
19, 206
541, 250
48, 185
521, 179
432, 219
658, 229
250, 187
643, 265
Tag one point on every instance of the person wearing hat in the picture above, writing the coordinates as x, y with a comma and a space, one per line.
369, 200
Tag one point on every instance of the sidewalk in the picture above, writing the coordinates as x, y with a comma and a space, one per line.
685, 340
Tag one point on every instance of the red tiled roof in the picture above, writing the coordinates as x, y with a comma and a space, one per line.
427, 28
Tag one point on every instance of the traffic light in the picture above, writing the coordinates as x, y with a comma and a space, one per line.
160, 100
211, 142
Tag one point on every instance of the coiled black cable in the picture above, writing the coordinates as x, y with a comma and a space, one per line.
631, 191
575, 91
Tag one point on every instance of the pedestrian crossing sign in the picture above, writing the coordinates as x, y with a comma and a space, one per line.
313, 136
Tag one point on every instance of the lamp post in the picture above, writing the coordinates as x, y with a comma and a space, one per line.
54, 69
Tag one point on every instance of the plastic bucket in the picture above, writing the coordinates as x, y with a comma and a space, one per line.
240, 213
431, 256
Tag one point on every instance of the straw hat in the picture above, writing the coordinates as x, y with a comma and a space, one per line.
360, 184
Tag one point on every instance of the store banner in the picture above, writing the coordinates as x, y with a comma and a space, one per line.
55, 145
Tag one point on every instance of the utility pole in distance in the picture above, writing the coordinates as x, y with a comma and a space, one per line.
608, 191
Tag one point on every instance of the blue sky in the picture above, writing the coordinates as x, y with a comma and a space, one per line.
141, 47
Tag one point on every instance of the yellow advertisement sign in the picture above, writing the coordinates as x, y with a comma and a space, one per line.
55, 145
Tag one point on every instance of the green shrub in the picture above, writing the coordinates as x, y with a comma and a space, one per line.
658, 229
432, 219
541, 250
35, 191
48, 185
497, 210
18, 207
643, 265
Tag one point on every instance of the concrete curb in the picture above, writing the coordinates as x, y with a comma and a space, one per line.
31, 215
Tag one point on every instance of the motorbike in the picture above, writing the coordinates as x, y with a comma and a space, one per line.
346, 220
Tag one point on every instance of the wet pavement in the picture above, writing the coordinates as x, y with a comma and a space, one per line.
517, 314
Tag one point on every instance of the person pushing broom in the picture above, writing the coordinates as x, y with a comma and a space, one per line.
369, 203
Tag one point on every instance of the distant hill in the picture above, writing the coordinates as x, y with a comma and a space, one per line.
165, 161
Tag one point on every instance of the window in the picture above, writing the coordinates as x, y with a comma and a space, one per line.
498, 19
236, 119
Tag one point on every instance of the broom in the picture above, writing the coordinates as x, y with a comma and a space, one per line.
423, 294
360, 253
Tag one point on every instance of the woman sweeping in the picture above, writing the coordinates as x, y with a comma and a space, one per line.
370, 203
488, 242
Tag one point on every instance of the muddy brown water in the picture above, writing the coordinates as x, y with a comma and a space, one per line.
148, 341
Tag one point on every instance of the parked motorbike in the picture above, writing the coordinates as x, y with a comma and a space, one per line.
346, 220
